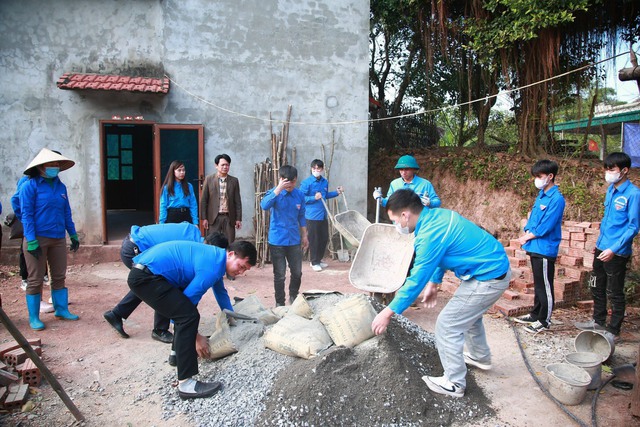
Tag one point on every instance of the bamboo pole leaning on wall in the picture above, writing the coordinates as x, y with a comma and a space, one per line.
265, 178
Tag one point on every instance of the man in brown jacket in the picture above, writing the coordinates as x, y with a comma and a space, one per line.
220, 203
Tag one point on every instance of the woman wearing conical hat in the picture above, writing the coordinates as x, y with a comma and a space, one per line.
46, 215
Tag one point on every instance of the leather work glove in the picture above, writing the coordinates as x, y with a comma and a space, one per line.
75, 243
377, 194
33, 247
426, 201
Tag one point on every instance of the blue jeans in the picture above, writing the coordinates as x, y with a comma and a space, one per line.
280, 256
460, 322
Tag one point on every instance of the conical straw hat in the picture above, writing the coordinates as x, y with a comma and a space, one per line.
45, 156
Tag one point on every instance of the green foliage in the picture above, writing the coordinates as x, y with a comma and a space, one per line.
514, 21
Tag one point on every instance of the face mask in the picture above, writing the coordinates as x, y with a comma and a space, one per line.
540, 183
400, 229
612, 177
317, 174
51, 172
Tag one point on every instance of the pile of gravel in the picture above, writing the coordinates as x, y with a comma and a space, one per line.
375, 383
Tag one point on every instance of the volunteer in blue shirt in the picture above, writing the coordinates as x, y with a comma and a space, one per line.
177, 201
46, 215
287, 229
408, 168
444, 240
315, 189
619, 226
139, 240
171, 278
541, 240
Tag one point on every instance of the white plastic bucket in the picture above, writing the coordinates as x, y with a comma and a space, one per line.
600, 342
590, 362
567, 383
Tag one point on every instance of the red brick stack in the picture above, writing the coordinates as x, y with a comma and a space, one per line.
573, 266
17, 373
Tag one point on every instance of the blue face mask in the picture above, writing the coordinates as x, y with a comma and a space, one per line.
51, 172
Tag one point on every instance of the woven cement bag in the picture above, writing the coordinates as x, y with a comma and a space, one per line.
296, 336
251, 306
301, 307
220, 344
349, 321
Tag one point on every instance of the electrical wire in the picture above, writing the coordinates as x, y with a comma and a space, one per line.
417, 113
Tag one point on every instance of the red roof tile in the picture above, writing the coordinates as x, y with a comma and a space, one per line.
113, 82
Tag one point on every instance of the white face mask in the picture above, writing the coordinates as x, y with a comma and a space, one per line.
400, 229
540, 183
612, 177
317, 174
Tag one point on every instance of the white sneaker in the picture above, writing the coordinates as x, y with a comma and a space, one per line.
23, 285
316, 268
442, 385
45, 307
470, 360
323, 264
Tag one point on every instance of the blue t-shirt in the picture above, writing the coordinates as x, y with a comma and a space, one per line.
545, 222
192, 267
620, 223
445, 240
314, 209
287, 216
178, 200
151, 235
418, 185
45, 209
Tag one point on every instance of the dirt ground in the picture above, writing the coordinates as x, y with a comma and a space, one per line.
115, 381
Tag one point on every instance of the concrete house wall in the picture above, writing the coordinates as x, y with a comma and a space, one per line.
250, 57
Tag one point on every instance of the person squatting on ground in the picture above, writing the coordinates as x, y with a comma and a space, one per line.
287, 229
316, 189
171, 278
409, 180
46, 215
620, 224
444, 240
220, 202
541, 240
137, 241
177, 201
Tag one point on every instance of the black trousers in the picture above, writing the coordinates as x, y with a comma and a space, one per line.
169, 301
607, 283
318, 233
178, 215
130, 302
543, 274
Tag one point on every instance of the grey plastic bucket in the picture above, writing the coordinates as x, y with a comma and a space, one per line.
600, 342
567, 383
590, 362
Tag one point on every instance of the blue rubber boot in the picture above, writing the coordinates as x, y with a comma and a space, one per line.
33, 305
60, 299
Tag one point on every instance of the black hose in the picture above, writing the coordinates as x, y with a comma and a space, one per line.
594, 400
537, 380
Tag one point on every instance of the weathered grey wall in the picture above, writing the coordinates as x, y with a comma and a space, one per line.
251, 57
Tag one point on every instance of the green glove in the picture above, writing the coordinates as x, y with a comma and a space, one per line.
32, 245
75, 243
